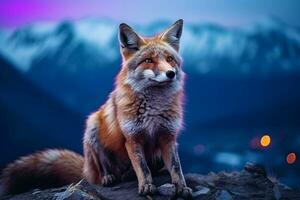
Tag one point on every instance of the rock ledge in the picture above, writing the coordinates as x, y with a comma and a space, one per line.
250, 183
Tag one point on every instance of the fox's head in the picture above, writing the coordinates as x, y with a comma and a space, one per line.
151, 62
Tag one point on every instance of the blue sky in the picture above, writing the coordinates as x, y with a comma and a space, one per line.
228, 12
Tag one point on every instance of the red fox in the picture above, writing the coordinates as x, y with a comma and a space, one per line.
137, 125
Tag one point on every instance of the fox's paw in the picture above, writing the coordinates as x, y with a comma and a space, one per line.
108, 180
147, 189
184, 191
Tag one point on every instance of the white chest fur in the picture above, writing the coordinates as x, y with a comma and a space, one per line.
154, 113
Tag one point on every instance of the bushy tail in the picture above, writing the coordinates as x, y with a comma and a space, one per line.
45, 169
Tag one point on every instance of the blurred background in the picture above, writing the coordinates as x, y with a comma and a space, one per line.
58, 60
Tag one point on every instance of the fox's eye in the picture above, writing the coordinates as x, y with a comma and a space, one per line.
170, 59
148, 60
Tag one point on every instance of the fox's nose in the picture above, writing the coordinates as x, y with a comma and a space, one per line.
170, 74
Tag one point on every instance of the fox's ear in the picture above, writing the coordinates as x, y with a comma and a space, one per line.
172, 34
128, 38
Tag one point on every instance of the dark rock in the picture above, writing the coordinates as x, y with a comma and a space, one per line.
277, 194
81, 191
255, 169
250, 183
200, 191
223, 195
166, 189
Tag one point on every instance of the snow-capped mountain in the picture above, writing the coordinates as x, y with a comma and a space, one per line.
71, 58
268, 46
60, 41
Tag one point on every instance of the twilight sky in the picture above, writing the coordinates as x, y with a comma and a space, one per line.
14, 13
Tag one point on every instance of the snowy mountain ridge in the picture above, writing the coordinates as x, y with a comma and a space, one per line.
268, 46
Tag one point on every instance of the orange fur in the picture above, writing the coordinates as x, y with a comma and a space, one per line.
43, 169
111, 139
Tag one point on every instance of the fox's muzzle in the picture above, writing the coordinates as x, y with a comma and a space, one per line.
161, 76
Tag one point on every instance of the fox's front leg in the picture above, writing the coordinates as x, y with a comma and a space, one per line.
138, 161
97, 165
170, 157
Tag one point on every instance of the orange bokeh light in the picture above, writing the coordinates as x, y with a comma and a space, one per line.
265, 140
291, 158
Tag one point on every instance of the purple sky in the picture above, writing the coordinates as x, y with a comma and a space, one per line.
15, 13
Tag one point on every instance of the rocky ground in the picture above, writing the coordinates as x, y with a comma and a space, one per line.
250, 183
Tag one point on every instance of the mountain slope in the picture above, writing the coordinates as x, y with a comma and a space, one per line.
31, 119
